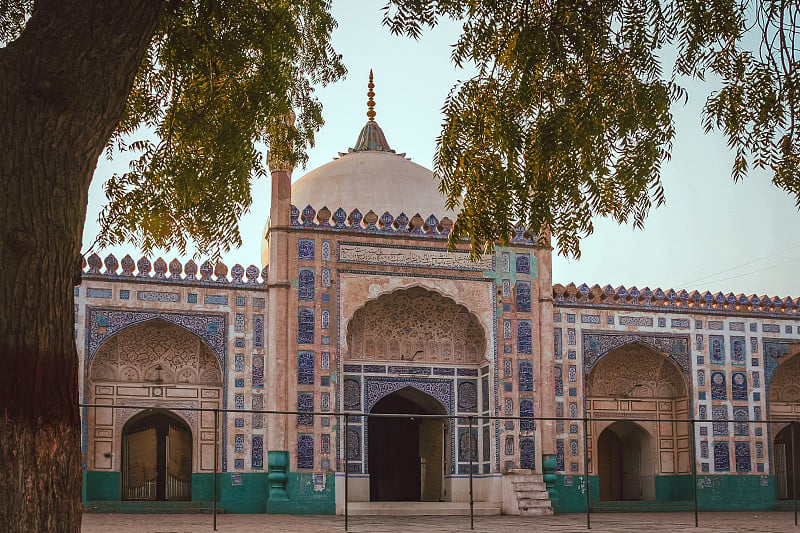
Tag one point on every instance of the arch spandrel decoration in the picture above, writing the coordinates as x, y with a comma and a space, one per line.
784, 385
777, 352
375, 388
104, 323
634, 371
415, 324
156, 351
596, 345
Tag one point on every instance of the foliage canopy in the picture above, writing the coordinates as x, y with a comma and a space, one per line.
569, 117
219, 77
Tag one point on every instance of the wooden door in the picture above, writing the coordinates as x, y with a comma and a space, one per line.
140, 471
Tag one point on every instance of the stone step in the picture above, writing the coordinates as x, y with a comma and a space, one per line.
532, 495
523, 472
527, 503
522, 486
151, 507
538, 511
421, 508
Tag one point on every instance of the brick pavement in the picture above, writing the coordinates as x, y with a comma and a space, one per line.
606, 523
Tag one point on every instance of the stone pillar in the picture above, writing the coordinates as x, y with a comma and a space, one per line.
547, 393
279, 315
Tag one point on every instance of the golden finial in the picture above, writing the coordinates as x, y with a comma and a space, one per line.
371, 102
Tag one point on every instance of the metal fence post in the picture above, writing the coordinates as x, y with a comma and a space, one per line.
346, 467
693, 458
794, 473
586, 471
216, 458
471, 516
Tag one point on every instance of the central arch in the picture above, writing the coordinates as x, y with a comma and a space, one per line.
156, 457
625, 464
406, 455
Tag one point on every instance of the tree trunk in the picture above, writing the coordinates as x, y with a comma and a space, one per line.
63, 87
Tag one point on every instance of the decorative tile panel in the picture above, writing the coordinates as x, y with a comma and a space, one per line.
257, 452
258, 331
305, 450
527, 453
467, 396
524, 337
305, 250
305, 285
718, 391
305, 402
722, 457
720, 415
742, 453
739, 386
523, 264
525, 375
305, 368
738, 353
305, 325
258, 371
716, 345
526, 410
523, 296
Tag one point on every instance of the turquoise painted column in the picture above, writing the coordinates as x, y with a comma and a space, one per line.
277, 465
549, 477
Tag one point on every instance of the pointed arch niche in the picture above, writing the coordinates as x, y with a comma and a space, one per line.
636, 383
415, 325
154, 363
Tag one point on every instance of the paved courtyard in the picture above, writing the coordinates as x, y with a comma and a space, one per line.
678, 522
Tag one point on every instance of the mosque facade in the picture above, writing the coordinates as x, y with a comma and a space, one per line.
361, 309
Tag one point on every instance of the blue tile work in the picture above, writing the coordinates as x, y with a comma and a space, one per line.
509, 447
354, 443
257, 452
753, 345
739, 386
215, 299
527, 453
467, 396
305, 249
506, 329
326, 250
662, 322
570, 318
258, 331
559, 384
239, 323
770, 328
238, 362
191, 298
736, 326
305, 368
238, 464
741, 451
305, 450
753, 327
698, 341
720, 413
526, 409
680, 323
258, 371
238, 401
740, 429
716, 344
485, 394
701, 378
704, 449
557, 343
259, 302
257, 404
524, 337
305, 402
238, 422
756, 380
238, 443
559, 455
722, 457
523, 264
305, 285
91, 292
325, 361
124, 294
715, 324
738, 353
305, 325
698, 324
718, 391
590, 319
464, 445
508, 368
486, 451
352, 394
325, 444
241, 301
523, 297
239, 382
525, 375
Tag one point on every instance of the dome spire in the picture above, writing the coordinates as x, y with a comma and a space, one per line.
371, 95
371, 138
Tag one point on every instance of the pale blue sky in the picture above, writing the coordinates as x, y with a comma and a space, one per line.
712, 234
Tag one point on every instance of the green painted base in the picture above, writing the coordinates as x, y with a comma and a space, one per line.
237, 493
674, 493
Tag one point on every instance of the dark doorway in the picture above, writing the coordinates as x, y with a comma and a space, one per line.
406, 455
787, 460
624, 463
156, 458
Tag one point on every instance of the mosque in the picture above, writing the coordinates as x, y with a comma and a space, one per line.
360, 309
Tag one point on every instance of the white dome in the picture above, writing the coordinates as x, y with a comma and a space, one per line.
381, 181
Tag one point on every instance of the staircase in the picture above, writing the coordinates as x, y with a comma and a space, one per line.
525, 494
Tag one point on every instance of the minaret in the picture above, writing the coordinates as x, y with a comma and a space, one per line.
278, 354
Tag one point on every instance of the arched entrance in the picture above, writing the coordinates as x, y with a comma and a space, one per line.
406, 456
156, 457
625, 465
639, 388
787, 460
784, 404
